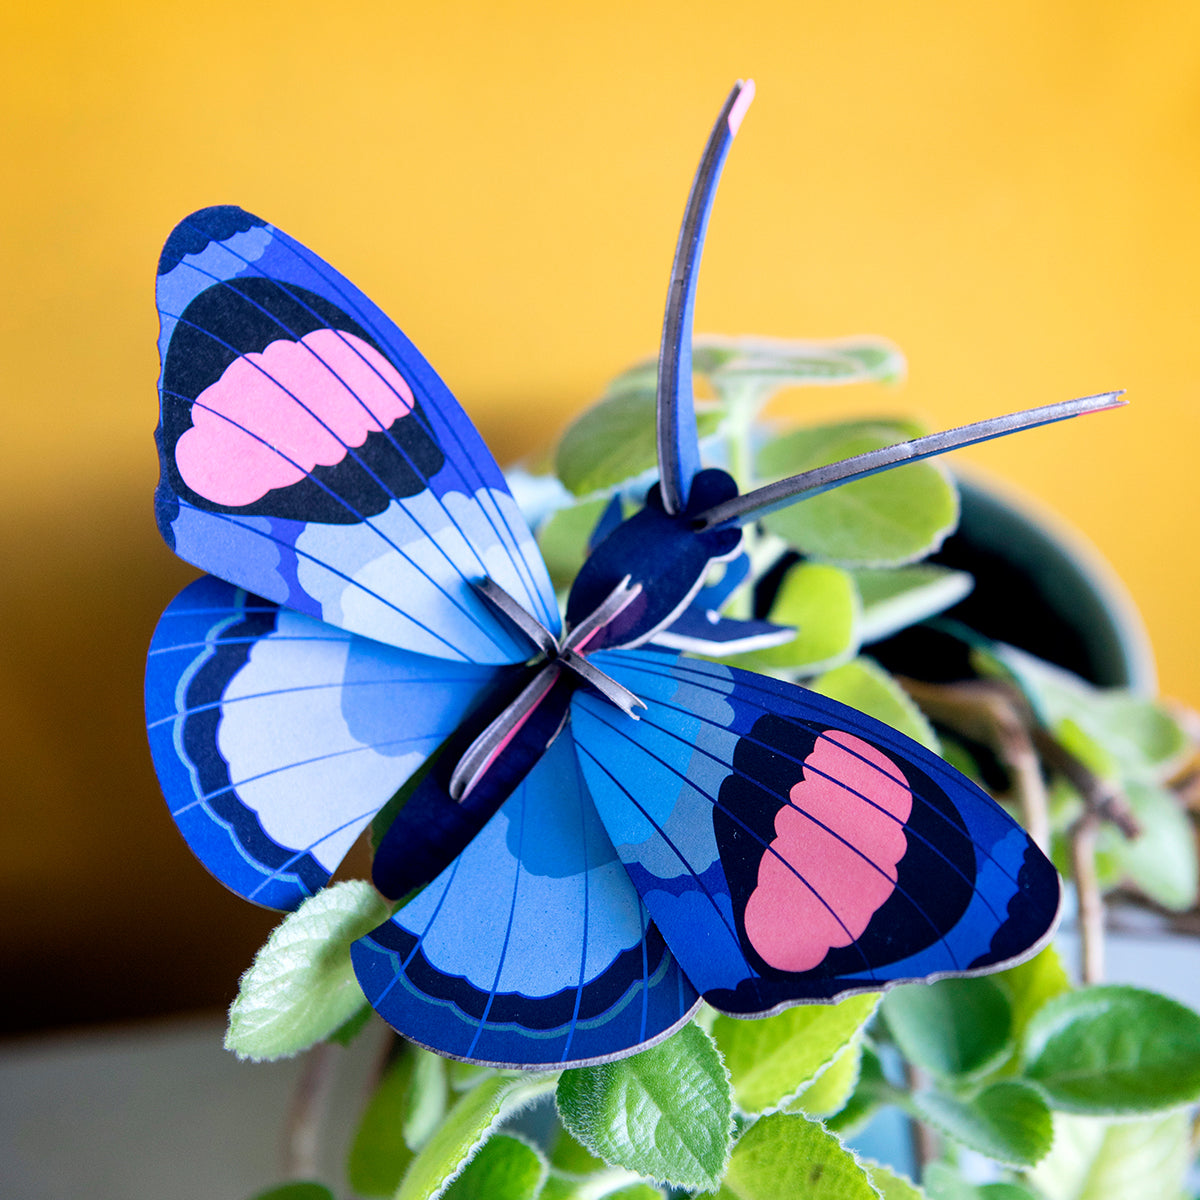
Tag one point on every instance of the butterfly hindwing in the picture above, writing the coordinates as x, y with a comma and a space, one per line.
791, 848
277, 738
309, 453
532, 949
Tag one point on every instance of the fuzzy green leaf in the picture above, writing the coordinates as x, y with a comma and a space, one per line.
616, 440
863, 684
405, 1108
665, 1113
891, 1185
870, 1092
1161, 860
1094, 1159
1114, 1050
897, 597
563, 539
785, 1154
954, 1027
301, 985
833, 1087
942, 1182
1140, 738
506, 1168
766, 364
1008, 1121
1032, 983
770, 1060
820, 602
884, 520
467, 1126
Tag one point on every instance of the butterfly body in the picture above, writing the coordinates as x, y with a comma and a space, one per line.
603, 830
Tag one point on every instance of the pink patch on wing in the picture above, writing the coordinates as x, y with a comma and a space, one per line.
833, 861
272, 417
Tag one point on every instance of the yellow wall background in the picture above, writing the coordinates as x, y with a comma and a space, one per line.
1007, 191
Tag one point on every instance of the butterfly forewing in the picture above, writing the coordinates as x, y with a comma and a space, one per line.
793, 849
310, 454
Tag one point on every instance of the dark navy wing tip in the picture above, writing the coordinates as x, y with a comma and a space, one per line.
203, 227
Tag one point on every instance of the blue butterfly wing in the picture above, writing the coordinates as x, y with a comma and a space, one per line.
793, 849
532, 949
277, 738
311, 455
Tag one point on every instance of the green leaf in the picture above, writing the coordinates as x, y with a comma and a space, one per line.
467, 1126
1161, 860
833, 1087
301, 985
787, 1155
770, 1060
891, 1185
665, 1113
1139, 736
887, 519
863, 684
1032, 983
296, 1190
767, 364
894, 598
1095, 1159
563, 539
616, 440
612, 1183
506, 1168
870, 1092
406, 1106
820, 602
954, 1027
942, 1182
1114, 1050
1008, 1121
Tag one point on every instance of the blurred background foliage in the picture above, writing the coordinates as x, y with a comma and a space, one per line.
1007, 193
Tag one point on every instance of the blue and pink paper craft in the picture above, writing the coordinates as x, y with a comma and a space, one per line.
598, 830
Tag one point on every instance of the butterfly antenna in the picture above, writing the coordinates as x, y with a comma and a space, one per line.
764, 500
678, 441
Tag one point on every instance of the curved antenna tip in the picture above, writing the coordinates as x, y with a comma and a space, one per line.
738, 111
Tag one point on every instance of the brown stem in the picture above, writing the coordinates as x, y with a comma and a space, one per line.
925, 1143
302, 1133
996, 714
1091, 903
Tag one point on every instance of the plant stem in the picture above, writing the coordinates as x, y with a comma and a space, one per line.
1091, 903
302, 1133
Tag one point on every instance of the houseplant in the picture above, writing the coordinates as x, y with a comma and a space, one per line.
726, 1104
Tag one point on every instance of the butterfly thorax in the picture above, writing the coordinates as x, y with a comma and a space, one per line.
662, 553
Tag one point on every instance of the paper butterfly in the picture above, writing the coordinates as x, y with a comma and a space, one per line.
603, 830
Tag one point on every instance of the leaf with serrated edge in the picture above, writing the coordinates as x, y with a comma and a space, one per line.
1161, 860
467, 1126
301, 986
820, 603
894, 598
863, 684
1031, 984
616, 440
506, 1168
1008, 1121
892, 1186
954, 1027
833, 1087
1111, 1050
665, 1113
787, 1155
1094, 1159
770, 1060
887, 519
